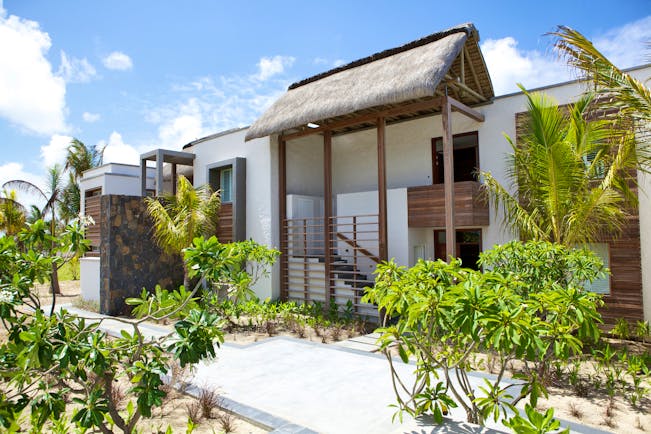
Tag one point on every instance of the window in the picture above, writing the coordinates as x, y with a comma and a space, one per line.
600, 286
466, 157
226, 184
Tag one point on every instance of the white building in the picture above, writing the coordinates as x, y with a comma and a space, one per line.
355, 156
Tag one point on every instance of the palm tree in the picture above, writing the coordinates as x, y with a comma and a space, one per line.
620, 90
571, 177
181, 217
79, 158
12, 213
52, 197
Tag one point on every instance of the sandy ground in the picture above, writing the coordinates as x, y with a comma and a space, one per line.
585, 407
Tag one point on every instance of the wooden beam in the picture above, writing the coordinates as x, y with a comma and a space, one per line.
371, 117
448, 179
472, 68
463, 66
451, 81
460, 107
282, 216
327, 211
382, 188
174, 178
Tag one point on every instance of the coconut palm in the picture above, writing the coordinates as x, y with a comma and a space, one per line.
570, 177
79, 158
51, 195
181, 217
619, 90
12, 213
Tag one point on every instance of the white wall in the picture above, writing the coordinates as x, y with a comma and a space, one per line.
114, 178
304, 166
261, 189
89, 278
361, 203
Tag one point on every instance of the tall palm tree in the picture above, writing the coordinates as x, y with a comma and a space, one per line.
79, 158
52, 197
570, 177
12, 213
181, 217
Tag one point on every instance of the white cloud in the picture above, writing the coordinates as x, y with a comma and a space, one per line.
323, 61
270, 66
118, 61
117, 151
627, 46
75, 70
55, 151
182, 127
91, 117
13, 170
31, 95
509, 65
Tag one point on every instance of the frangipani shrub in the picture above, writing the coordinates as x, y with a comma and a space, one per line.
529, 304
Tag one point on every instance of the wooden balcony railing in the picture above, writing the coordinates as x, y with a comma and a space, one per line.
426, 205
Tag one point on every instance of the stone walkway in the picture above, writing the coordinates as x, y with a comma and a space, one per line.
291, 385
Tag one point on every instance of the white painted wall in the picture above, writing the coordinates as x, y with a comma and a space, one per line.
114, 178
89, 278
304, 166
366, 202
261, 189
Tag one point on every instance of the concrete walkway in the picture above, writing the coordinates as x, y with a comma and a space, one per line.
290, 385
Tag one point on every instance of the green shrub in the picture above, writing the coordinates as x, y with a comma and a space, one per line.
528, 305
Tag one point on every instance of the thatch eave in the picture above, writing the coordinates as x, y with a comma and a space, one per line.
413, 72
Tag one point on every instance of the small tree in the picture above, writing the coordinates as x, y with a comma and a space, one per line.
52, 197
181, 217
49, 359
529, 305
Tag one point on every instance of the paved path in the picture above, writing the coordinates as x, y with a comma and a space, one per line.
295, 386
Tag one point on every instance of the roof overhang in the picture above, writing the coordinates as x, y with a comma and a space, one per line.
394, 81
169, 156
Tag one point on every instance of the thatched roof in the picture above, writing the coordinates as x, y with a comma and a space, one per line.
407, 73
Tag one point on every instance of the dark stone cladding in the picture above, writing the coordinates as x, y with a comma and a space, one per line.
129, 257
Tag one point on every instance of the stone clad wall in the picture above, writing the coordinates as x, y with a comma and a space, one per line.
130, 260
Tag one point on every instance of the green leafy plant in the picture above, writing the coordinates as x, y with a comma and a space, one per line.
48, 357
622, 329
528, 305
535, 423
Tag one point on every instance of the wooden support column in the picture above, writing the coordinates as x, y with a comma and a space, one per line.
448, 179
174, 178
143, 177
382, 188
282, 216
327, 211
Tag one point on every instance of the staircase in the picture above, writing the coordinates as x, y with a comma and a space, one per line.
306, 283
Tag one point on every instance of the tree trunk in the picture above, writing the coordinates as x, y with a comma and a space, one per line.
54, 281
186, 279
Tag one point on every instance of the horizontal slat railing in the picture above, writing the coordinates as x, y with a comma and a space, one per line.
354, 252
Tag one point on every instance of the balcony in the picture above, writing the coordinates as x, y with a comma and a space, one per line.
426, 205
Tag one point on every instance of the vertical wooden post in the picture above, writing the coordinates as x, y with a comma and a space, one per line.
174, 178
282, 216
448, 179
327, 211
382, 189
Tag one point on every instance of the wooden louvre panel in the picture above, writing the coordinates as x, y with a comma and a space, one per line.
426, 205
92, 208
225, 225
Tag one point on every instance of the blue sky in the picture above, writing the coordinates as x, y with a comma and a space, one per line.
138, 75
